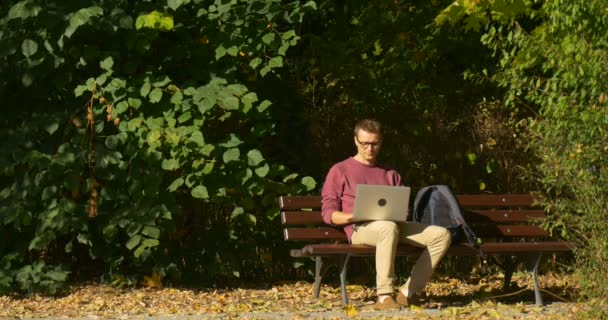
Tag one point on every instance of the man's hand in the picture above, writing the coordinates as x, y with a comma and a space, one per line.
340, 218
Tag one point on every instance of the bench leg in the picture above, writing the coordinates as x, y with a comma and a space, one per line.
343, 279
533, 266
318, 276
508, 266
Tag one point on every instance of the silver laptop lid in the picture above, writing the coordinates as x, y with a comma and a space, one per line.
377, 202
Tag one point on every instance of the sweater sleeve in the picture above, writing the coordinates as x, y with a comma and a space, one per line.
332, 194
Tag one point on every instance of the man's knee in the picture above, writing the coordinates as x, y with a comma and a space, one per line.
441, 236
388, 229
445, 237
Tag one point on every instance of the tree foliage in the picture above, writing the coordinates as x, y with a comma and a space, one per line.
552, 56
127, 121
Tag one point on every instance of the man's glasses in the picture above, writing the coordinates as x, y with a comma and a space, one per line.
365, 145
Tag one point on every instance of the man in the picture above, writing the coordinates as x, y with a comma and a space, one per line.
338, 204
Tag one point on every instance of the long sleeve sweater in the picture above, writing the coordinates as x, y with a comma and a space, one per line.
340, 186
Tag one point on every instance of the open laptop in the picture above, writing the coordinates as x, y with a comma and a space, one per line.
373, 202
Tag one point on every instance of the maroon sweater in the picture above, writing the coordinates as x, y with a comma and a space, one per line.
341, 183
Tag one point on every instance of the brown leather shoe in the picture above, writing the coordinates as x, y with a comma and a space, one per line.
407, 301
388, 304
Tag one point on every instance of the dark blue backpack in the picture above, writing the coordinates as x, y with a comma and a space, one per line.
437, 205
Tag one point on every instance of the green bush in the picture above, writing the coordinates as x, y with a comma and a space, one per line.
552, 57
122, 117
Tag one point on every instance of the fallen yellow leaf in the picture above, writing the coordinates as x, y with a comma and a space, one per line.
153, 281
351, 311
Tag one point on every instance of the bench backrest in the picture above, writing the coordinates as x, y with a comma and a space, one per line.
496, 216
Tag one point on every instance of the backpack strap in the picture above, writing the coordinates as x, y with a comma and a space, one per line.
422, 196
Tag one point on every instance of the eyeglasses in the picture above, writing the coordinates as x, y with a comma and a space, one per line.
365, 145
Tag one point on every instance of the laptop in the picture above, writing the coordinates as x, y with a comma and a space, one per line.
377, 202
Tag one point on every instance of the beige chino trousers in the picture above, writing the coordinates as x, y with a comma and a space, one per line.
385, 235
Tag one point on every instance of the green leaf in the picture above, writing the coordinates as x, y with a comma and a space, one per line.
197, 137
133, 242
236, 89
265, 70
29, 47
107, 63
262, 171
170, 164
472, 158
82, 17
145, 89
288, 35
121, 107
311, 5
290, 177
23, 10
112, 142
200, 192
233, 51
250, 98
51, 128
79, 90
151, 231
254, 157
134, 102
176, 184
309, 183
233, 141
155, 20
268, 38
57, 275
220, 52
228, 102
276, 62
110, 231
150, 243
264, 105
232, 154
237, 212
184, 117
255, 62
174, 4
156, 95
140, 250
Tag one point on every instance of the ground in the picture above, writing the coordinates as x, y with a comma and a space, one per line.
446, 297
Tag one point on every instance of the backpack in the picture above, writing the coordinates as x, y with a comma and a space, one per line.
437, 205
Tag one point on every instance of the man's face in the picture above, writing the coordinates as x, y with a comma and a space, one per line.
368, 145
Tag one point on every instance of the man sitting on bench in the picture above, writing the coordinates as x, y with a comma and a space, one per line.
338, 203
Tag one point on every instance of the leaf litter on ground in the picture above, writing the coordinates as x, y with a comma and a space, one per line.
447, 297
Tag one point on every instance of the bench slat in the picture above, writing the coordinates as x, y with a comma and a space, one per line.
477, 216
311, 234
472, 217
299, 202
489, 231
472, 200
455, 250
508, 231
490, 200
302, 217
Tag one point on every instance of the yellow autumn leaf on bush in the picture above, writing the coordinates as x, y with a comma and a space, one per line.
351, 311
153, 281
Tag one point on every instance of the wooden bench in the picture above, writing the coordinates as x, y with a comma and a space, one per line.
502, 221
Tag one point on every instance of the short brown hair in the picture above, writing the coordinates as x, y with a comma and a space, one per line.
369, 125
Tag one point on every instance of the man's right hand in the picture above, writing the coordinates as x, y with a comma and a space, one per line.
340, 218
